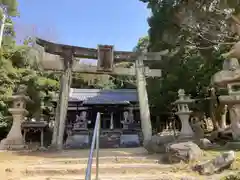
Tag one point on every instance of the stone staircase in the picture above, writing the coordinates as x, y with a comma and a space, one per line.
111, 168
115, 164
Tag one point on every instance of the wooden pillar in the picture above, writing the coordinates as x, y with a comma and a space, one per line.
64, 95
143, 100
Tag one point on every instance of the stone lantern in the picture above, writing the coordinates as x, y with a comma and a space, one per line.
183, 112
229, 78
14, 139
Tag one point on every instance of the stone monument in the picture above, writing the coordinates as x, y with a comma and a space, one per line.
14, 139
78, 135
81, 121
184, 114
230, 79
129, 136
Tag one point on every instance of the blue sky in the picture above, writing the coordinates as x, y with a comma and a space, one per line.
84, 22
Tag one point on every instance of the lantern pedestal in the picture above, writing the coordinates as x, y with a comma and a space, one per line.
186, 130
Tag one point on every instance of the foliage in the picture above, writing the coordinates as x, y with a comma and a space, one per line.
196, 34
20, 64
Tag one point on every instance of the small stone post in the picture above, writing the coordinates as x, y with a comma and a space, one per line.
184, 114
223, 117
14, 139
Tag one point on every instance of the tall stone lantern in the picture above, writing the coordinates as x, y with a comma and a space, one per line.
14, 139
184, 113
229, 77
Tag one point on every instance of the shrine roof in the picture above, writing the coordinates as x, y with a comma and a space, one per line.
100, 96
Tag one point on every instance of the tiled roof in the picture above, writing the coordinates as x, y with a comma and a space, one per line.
100, 96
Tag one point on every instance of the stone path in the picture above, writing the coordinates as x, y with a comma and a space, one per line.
115, 164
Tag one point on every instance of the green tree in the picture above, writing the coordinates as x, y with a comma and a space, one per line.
196, 34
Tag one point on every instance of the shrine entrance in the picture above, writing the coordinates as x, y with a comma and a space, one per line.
62, 58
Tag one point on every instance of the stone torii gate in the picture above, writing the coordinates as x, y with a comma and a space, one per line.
66, 63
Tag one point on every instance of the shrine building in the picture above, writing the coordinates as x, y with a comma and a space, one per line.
120, 118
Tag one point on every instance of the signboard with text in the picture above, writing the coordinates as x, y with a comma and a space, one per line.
105, 58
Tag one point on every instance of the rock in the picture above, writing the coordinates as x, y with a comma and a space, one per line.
158, 143
221, 162
204, 143
183, 151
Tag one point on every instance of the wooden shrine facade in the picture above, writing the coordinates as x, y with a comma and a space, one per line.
119, 116
59, 57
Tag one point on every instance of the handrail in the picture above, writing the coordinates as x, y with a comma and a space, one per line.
95, 141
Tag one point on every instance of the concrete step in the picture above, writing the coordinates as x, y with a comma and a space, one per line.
102, 160
166, 176
114, 168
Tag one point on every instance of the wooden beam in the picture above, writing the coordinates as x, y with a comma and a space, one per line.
92, 53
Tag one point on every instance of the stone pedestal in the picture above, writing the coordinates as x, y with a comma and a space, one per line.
78, 139
186, 130
109, 138
129, 138
14, 139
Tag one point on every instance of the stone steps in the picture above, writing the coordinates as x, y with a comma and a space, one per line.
75, 169
115, 164
162, 176
102, 160
109, 169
